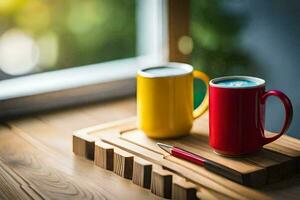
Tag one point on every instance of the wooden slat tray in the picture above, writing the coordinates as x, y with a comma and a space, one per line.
275, 162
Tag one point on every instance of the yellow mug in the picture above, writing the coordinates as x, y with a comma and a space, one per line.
165, 100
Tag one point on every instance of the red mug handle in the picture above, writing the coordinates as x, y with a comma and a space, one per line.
288, 113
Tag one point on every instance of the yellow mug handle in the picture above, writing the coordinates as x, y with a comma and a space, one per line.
204, 105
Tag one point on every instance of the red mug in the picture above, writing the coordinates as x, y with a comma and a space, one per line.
237, 114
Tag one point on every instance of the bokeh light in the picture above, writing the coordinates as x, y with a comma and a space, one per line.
8, 7
49, 48
185, 45
18, 52
88, 18
35, 16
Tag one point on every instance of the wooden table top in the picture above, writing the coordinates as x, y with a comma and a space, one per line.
36, 159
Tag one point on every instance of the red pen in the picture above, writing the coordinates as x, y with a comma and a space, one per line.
199, 160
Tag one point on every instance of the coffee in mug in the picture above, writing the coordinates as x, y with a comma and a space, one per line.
237, 83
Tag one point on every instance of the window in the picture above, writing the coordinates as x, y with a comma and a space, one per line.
57, 53
38, 36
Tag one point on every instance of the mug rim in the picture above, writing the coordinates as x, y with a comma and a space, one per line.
260, 82
186, 67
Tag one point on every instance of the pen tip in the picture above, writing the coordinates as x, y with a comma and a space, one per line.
165, 147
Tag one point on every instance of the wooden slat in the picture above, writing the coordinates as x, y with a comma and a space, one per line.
142, 171
288, 146
161, 182
83, 148
104, 155
278, 166
123, 163
183, 190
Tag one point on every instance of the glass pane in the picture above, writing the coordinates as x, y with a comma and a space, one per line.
37, 36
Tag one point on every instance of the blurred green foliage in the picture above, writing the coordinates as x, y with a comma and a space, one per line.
215, 34
86, 31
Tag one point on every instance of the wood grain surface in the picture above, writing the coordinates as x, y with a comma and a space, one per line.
39, 150
12, 186
38, 162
